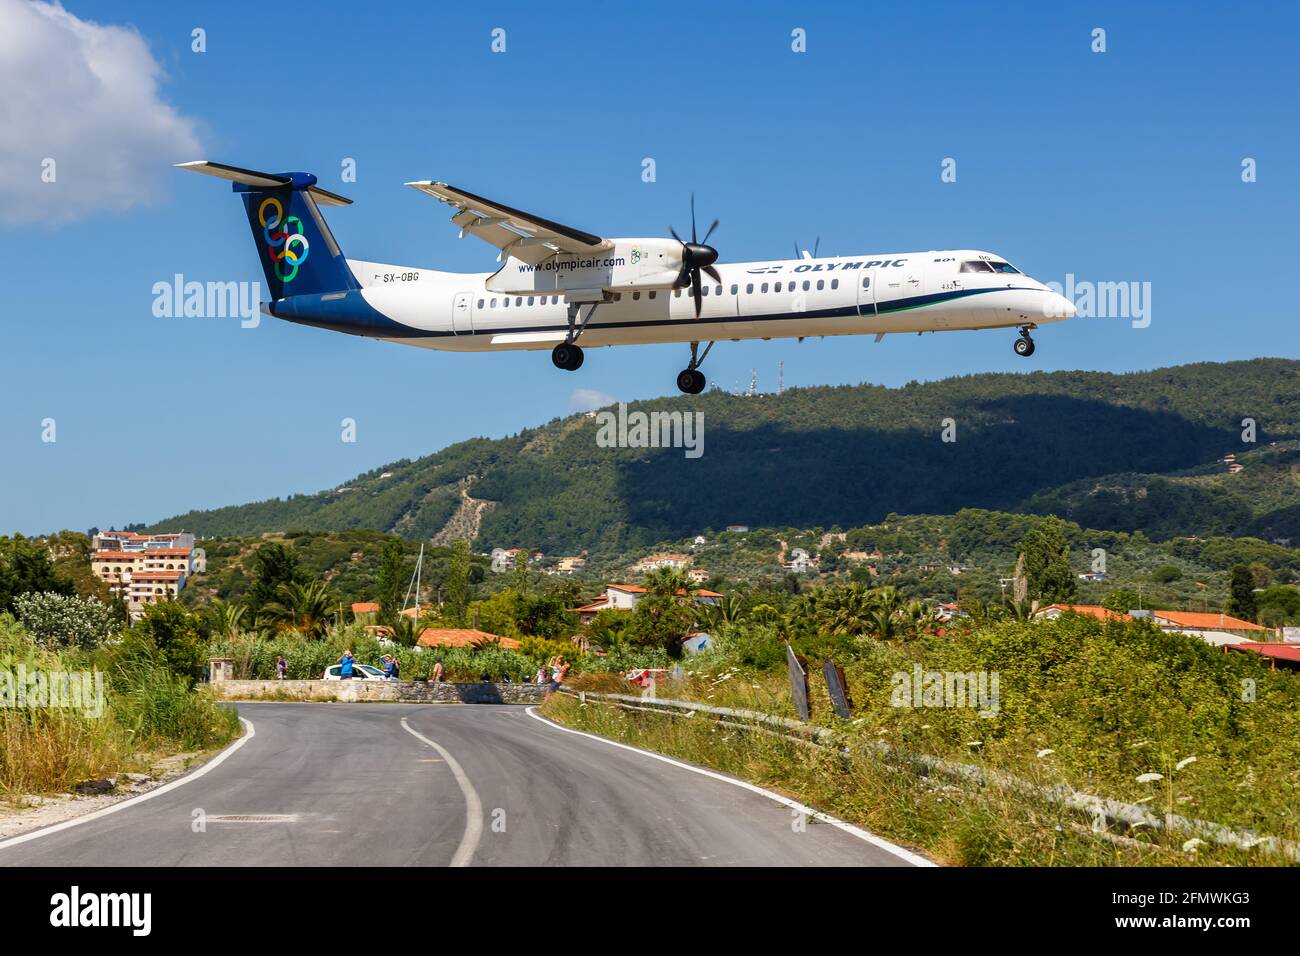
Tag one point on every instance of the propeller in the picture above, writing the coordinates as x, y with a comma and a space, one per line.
697, 256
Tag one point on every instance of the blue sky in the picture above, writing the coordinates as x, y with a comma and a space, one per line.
1121, 166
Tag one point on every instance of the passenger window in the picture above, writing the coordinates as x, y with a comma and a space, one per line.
635, 296
835, 284
704, 290
505, 302
493, 303
777, 287
718, 290
652, 293
677, 293
764, 286
530, 300
480, 303
734, 288
749, 288
975, 267
866, 282
806, 285
821, 284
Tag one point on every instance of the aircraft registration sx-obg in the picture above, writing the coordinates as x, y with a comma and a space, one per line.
563, 289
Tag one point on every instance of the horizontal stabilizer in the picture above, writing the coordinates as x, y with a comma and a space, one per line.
261, 180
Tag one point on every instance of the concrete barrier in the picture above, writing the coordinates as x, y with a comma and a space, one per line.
366, 691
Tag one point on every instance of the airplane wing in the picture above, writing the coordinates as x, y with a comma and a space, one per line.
528, 238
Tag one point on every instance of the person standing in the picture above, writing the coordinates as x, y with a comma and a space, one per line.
281, 668
345, 669
438, 670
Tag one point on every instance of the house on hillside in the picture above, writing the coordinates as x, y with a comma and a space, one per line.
801, 562
1053, 611
365, 612
1208, 626
656, 561
697, 575
625, 597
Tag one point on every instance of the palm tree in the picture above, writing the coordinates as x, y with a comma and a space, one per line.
669, 583
728, 609
225, 618
850, 611
304, 608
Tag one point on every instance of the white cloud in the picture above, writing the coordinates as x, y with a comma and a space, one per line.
86, 96
589, 399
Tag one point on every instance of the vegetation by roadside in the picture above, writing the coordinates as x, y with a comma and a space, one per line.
1115, 709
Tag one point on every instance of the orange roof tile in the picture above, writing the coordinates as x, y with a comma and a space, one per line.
365, 607
1088, 610
461, 637
1203, 621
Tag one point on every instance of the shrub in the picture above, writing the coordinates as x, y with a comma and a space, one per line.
58, 621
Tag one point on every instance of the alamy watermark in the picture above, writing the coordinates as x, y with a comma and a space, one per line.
22, 688
922, 688
624, 429
1103, 300
208, 300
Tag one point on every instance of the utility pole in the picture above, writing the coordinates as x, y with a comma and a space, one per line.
753, 381
780, 377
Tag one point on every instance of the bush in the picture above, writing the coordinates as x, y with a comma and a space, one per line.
59, 621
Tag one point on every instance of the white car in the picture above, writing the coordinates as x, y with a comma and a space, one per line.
359, 672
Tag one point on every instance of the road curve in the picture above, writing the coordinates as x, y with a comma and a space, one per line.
394, 785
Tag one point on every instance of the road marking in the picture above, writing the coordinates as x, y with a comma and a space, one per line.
473, 806
864, 835
114, 808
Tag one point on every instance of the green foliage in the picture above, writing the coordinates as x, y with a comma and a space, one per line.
1047, 563
457, 583
1119, 452
57, 621
167, 635
1241, 597
25, 566
1166, 573
392, 581
274, 566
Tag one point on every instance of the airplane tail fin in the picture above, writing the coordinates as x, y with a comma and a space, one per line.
298, 253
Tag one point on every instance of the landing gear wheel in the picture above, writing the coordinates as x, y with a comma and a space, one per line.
1024, 346
567, 357
691, 381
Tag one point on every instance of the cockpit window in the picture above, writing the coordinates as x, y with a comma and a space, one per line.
1004, 267
975, 266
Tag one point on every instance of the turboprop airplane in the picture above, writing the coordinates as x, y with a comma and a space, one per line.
564, 289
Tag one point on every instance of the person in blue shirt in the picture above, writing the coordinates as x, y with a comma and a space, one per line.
345, 671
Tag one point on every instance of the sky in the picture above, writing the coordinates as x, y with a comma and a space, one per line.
1117, 166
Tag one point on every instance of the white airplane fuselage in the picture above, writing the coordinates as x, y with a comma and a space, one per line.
793, 298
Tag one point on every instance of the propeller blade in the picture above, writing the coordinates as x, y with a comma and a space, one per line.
693, 239
705, 240
817, 245
713, 274
699, 295
673, 232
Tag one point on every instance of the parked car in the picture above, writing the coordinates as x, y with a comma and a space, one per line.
359, 672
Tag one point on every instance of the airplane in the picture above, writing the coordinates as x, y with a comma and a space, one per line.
567, 290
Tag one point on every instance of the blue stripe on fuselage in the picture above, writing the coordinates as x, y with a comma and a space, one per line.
350, 312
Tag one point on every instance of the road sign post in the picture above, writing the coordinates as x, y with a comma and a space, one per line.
798, 668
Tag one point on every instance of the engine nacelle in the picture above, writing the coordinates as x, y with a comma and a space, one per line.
632, 264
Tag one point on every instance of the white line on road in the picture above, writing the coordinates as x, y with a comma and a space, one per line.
114, 808
861, 834
473, 806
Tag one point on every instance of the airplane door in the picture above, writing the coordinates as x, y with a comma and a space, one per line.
867, 292
462, 320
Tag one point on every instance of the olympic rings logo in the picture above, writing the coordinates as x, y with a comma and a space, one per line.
287, 248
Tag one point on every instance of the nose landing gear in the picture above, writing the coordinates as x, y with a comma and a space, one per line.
1024, 345
566, 356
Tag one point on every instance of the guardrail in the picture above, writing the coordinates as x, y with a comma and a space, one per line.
1099, 809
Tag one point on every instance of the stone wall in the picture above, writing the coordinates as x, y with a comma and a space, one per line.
396, 691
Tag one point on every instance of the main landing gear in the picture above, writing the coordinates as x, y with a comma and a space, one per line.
690, 379
568, 354
1024, 345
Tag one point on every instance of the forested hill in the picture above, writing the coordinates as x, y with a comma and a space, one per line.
1138, 451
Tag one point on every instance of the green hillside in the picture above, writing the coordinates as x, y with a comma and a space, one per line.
1127, 452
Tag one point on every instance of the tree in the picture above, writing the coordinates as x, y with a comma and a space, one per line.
392, 581
1046, 556
274, 565
225, 619
171, 635
1121, 600
457, 583
25, 566
305, 608
520, 576
1241, 593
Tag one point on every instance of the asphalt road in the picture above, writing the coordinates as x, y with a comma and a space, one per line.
436, 785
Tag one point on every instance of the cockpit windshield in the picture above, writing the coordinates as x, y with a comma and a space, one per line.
985, 265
